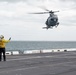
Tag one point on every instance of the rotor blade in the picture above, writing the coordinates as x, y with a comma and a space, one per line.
44, 8
55, 11
39, 13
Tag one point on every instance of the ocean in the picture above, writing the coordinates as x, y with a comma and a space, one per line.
39, 45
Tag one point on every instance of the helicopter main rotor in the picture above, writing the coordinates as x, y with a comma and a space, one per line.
48, 11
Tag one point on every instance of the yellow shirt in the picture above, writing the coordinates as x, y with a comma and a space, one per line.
2, 43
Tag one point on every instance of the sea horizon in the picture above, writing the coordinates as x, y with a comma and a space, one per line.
39, 45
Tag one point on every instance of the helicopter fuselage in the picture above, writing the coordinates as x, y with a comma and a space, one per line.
52, 21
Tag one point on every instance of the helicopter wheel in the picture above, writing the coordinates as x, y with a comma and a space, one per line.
51, 27
56, 26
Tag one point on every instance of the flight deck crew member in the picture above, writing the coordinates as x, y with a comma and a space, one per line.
2, 47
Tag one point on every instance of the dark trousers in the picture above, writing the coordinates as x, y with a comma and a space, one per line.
2, 50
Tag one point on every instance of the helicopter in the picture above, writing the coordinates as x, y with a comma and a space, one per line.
52, 20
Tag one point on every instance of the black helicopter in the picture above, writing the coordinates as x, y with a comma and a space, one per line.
52, 20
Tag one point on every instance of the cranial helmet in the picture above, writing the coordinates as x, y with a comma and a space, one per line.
1, 36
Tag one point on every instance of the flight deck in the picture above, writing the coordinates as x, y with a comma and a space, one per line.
59, 63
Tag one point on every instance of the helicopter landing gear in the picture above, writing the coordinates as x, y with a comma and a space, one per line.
57, 24
51, 27
45, 28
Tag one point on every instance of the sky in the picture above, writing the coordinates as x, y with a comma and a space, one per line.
15, 22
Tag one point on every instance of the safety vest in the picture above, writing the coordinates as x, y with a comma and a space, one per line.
3, 42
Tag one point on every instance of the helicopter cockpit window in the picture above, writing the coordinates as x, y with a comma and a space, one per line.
53, 19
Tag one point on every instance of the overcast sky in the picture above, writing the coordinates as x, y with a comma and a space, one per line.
15, 22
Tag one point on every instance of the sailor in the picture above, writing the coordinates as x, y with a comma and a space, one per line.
2, 47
